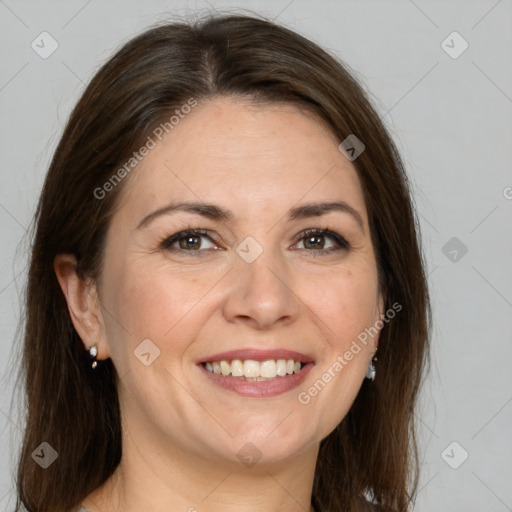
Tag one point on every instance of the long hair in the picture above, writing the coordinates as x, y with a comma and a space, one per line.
372, 453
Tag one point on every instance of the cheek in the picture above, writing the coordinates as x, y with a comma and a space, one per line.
346, 302
155, 303
346, 307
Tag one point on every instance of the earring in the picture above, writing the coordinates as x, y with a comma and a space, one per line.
93, 352
370, 373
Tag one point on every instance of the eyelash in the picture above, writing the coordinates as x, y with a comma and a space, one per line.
338, 239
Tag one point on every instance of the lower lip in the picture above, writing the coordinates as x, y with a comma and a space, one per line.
261, 389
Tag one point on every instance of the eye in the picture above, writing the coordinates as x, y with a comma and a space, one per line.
190, 240
322, 240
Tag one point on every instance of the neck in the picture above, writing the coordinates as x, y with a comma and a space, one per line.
161, 480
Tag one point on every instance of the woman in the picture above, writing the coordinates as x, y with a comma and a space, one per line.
224, 239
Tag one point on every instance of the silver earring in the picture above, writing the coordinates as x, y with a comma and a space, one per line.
93, 352
371, 371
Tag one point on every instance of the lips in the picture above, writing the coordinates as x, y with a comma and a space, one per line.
257, 387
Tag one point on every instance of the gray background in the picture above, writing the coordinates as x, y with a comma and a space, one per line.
451, 118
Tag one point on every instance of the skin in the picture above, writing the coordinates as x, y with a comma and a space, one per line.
181, 434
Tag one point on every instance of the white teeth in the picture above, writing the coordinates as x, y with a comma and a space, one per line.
237, 368
252, 370
225, 368
281, 367
268, 369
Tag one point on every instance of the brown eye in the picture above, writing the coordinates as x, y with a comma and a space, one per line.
190, 241
322, 241
314, 242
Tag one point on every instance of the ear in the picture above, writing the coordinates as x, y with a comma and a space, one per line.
83, 304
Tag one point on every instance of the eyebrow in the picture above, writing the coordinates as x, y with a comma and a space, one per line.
218, 213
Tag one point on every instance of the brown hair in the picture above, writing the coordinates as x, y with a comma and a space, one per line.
372, 453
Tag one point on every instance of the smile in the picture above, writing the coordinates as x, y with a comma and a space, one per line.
257, 373
254, 371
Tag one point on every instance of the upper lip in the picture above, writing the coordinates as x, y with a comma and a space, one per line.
258, 355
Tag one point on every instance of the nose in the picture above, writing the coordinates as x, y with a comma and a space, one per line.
261, 295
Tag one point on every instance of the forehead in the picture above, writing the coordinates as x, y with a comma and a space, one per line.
244, 155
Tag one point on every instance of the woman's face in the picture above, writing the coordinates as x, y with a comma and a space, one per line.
253, 283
